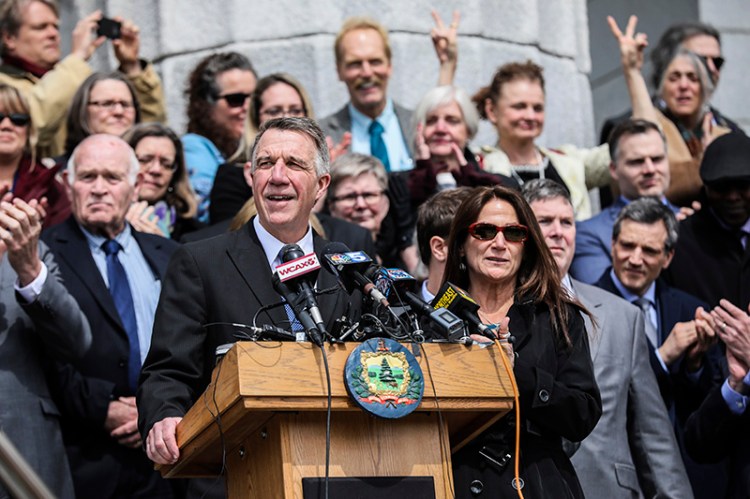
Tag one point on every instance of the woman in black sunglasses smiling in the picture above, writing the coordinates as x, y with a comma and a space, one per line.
496, 252
20, 171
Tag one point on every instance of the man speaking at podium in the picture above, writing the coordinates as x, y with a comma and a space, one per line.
212, 285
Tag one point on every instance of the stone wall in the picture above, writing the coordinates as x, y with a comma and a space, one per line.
297, 37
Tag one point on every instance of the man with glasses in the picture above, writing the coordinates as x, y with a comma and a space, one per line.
711, 258
640, 167
114, 272
31, 62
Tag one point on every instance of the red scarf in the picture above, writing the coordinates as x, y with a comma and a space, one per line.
25, 65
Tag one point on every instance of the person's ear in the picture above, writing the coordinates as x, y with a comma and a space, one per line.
247, 172
670, 255
438, 249
489, 110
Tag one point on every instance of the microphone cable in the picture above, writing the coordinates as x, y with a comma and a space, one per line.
514, 387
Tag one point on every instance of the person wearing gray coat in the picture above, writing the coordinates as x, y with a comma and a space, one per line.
39, 321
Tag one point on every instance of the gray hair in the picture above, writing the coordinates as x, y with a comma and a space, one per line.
303, 125
132, 159
544, 189
353, 165
441, 96
649, 210
707, 87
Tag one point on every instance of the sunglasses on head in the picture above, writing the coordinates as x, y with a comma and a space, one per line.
235, 100
486, 232
718, 61
18, 119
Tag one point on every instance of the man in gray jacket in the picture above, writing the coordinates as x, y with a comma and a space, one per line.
632, 452
39, 320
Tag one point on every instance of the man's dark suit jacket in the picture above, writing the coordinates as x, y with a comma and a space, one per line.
219, 281
85, 389
713, 433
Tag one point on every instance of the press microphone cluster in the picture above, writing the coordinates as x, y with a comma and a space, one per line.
458, 301
294, 280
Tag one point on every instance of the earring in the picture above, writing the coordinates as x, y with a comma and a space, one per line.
462, 266
170, 189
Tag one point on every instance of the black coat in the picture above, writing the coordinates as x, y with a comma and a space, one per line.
559, 399
85, 388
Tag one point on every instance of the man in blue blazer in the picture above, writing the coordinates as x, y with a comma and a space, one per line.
97, 392
640, 167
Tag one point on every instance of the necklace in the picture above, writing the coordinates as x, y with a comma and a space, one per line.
541, 164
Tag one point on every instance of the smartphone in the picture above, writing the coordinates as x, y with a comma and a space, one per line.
110, 28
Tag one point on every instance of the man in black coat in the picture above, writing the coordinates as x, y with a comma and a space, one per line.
97, 392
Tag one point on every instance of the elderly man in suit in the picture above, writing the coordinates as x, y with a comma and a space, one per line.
640, 168
215, 283
632, 452
39, 321
115, 274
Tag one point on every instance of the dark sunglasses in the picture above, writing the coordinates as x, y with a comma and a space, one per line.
18, 119
487, 232
718, 61
235, 100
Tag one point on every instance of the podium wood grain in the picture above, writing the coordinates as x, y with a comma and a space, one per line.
271, 400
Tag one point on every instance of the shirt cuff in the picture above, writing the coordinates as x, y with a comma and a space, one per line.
736, 402
32, 291
661, 361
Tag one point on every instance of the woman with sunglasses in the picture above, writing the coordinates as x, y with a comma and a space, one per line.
20, 171
496, 251
682, 110
278, 95
166, 202
218, 93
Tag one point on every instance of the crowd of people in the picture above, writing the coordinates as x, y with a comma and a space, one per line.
129, 252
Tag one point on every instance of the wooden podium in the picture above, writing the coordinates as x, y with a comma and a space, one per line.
272, 398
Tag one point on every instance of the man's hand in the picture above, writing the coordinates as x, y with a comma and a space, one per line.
161, 443
127, 48
682, 336
20, 226
84, 40
336, 150
733, 328
122, 422
445, 41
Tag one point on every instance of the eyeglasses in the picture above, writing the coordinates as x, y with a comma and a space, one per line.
278, 112
487, 232
349, 200
110, 105
18, 119
235, 100
718, 61
165, 163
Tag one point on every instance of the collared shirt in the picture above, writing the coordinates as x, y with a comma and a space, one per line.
653, 313
426, 295
272, 246
32, 290
144, 285
567, 284
395, 142
736, 401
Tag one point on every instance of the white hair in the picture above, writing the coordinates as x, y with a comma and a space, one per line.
132, 159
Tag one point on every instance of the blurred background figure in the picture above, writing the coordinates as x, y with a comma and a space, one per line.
166, 202
218, 92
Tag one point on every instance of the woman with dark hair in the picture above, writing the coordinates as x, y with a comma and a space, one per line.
104, 103
218, 93
514, 102
682, 110
497, 252
277, 95
167, 203
20, 172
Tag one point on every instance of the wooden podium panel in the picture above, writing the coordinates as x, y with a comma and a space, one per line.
272, 398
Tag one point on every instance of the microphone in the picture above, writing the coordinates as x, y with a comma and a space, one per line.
298, 270
299, 311
349, 266
460, 303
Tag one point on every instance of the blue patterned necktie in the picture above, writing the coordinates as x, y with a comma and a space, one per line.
120, 291
377, 144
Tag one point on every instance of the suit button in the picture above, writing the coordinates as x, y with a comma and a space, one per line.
121, 363
543, 395
476, 487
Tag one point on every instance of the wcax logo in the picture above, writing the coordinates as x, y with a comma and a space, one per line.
348, 258
297, 267
396, 274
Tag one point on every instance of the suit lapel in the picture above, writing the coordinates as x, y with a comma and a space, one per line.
74, 249
248, 258
595, 307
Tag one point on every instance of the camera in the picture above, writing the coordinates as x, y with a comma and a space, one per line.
110, 28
